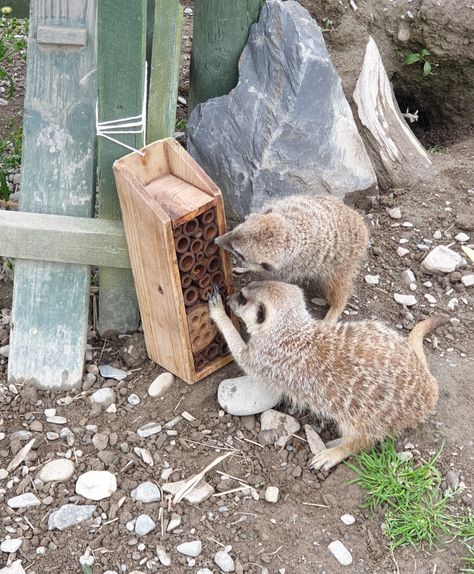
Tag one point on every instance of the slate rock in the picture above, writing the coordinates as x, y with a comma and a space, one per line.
286, 127
441, 260
244, 396
70, 515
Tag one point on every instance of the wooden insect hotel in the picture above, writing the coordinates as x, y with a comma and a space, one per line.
172, 212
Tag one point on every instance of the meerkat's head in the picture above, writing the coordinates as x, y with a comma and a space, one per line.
262, 304
260, 241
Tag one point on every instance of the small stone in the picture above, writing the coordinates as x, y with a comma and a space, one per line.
372, 279
224, 561
188, 11
246, 396
441, 260
24, 501
109, 372
3, 473
407, 300
462, 237
174, 523
207, 571
148, 429
248, 422
453, 303
340, 553
88, 381
192, 549
467, 280
36, 426
49, 413
395, 213
70, 515
316, 445
133, 400
5, 351
407, 224
465, 221
15, 567
405, 455
103, 397
201, 492
144, 525
161, 385
96, 484
284, 424
146, 492
430, 298
50, 435
437, 234
348, 519
271, 494
452, 480
403, 240
59, 470
319, 302
57, 420
100, 440
11, 545
402, 251
111, 408
408, 277
163, 556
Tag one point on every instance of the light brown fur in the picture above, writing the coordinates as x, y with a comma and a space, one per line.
315, 241
364, 375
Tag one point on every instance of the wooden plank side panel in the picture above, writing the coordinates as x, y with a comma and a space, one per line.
120, 69
155, 270
49, 316
147, 168
63, 239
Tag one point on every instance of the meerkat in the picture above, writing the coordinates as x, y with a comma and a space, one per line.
365, 376
315, 242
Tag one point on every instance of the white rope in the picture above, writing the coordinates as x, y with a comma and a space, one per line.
131, 125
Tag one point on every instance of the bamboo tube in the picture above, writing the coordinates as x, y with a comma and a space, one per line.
212, 351
199, 362
205, 280
218, 278
190, 295
210, 231
186, 262
213, 264
191, 227
186, 280
205, 292
210, 249
196, 246
198, 271
182, 243
178, 230
208, 217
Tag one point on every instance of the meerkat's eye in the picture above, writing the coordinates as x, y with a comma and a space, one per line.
266, 266
241, 300
261, 314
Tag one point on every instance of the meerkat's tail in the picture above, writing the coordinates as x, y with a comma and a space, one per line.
419, 332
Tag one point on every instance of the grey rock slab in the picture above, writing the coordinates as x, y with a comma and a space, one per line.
56, 470
11, 545
192, 549
316, 445
286, 127
70, 515
23, 501
224, 561
109, 372
441, 260
285, 425
146, 492
144, 525
244, 396
340, 553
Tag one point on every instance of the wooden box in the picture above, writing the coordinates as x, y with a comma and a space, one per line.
172, 212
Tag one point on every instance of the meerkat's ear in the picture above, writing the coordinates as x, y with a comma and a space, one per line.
261, 313
267, 211
267, 267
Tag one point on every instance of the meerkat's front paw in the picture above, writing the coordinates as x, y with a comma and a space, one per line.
216, 306
328, 458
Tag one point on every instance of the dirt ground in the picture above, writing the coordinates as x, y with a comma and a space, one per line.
292, 535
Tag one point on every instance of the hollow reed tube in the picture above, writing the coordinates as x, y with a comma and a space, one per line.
205, 292
190, 295
199, 362
198, 271
205, 280
177, 230
210, 249
218, 278
209, 231
212, 351
223, 349
182, 243
208, 217
186, 262
213, 264
191, 227
196, 246
200, 256
186, 280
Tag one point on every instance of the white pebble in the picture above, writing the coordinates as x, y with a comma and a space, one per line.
133, 399
372, 279
395, 213
437, 234
402, 251
160, 385
49, 412
224, 561
192, 549
340, 553
467, 280
462, 237
11, 545
430, 298
408, 300
348, 519
271, 494
96, 484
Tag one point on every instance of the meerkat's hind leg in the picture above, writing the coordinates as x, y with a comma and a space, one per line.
333, 456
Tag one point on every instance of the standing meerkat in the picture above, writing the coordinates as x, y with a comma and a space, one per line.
312, 241
365, 376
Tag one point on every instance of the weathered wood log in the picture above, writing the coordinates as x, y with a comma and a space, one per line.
399, 157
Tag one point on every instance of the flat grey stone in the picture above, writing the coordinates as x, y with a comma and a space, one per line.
11, 545
192, 549
109, 372
174, 523
316, 445
441, 260
244, 396
24, 501
146, 492
284, 424
407, 300
70, 515
286, 127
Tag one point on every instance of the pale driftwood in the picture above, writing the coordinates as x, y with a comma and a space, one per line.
50, 300
399, 157
63, 239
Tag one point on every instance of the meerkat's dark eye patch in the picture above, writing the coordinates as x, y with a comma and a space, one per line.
238, 253
241, 300
266, 266
261, 313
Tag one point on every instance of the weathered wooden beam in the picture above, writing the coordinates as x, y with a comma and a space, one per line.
164, 75
50, 300
120, 70
63, 239
220, 32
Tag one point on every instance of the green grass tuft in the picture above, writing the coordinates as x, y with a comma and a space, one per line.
416, 510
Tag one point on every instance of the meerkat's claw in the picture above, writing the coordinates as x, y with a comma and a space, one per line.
216, 306
327, 459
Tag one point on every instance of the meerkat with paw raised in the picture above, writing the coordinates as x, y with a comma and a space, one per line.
312, 241
365, 376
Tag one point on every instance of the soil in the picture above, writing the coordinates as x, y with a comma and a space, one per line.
292, 535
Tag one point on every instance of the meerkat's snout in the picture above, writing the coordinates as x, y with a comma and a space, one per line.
223, 240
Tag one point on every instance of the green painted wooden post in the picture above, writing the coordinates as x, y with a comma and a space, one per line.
220, 32
164, 69
121, 66
50, 300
